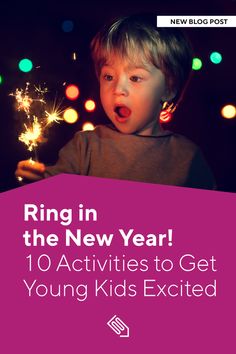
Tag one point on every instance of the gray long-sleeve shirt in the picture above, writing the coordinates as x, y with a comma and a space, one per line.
105, 152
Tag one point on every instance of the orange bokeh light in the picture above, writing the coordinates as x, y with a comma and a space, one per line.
72, 92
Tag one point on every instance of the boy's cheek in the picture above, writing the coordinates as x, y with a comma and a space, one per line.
102, 92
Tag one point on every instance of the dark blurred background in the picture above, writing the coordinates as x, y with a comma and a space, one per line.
34, 30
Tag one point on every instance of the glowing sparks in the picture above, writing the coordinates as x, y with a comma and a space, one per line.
33, 104
54, 115
32, 134
24, 101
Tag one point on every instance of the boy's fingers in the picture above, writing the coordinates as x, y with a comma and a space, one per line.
27, 175
30, 170
29, 165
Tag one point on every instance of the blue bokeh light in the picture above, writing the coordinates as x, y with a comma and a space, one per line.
67, 26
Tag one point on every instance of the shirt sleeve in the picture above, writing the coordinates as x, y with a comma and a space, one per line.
69, 159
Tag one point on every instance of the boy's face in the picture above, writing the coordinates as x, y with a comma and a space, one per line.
131, 95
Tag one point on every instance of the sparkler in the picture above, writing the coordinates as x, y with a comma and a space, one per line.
37, 118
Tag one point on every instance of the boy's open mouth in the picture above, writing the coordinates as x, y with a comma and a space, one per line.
122, 111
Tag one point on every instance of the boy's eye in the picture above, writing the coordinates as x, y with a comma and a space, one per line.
108, 77
135, 78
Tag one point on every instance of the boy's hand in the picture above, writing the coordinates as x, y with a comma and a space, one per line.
30, 170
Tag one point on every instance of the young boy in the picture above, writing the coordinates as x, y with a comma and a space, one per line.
139, 67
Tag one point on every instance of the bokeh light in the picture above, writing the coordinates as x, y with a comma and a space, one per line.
88, 126
67, 26
70, 115
216, 58
90, 105
72, 92
196, 64
228, 111
25, 65
1, 79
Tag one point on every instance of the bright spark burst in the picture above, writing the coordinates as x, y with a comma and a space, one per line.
32, 134
24, 100
54, 116
38, 118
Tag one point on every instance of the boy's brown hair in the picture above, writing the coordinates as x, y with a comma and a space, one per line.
136, 37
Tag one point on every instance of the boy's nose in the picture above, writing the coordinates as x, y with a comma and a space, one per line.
121, 87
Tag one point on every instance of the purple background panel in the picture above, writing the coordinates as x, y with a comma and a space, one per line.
203, 224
